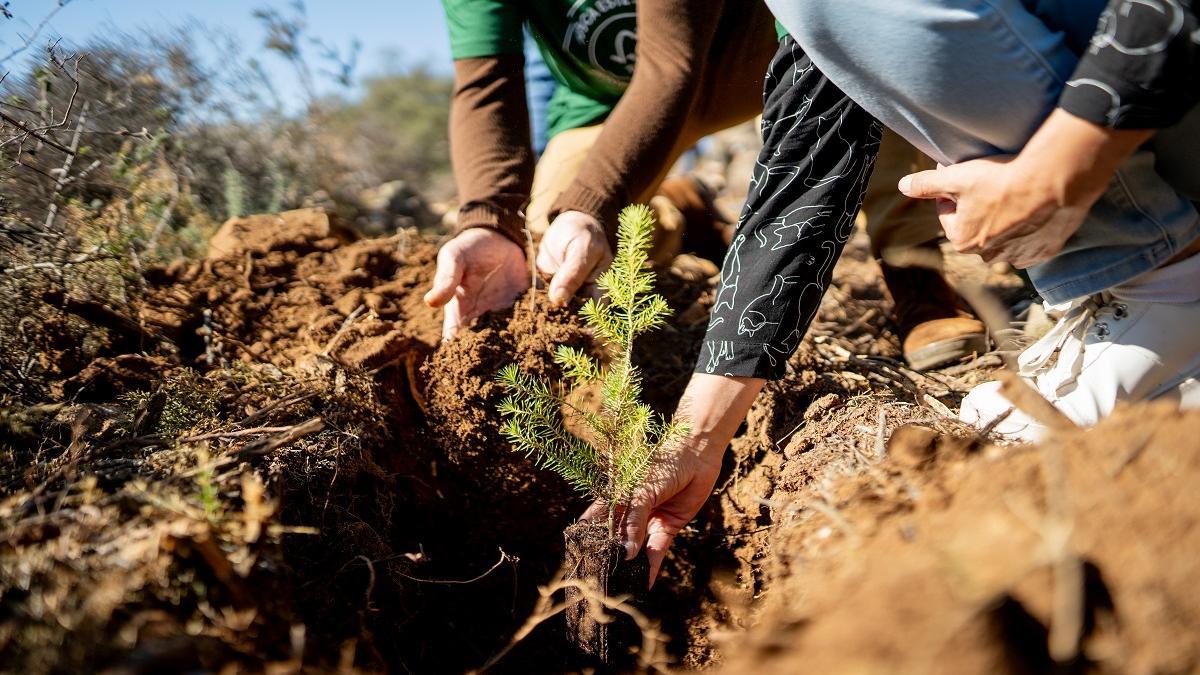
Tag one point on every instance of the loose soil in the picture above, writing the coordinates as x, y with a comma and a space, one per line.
279, 466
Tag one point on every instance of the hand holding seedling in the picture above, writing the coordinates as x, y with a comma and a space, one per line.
478, 271
683, 478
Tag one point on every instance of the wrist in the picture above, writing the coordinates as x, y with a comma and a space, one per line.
488, 231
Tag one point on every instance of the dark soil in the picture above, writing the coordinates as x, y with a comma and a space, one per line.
595, 557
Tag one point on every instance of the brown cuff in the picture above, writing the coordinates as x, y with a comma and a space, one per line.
508, 222
603, 208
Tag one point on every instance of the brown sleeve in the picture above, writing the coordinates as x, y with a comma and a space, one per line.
639, 136
490, 146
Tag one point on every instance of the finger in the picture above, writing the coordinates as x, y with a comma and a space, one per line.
952, 226
598, 509
452, 319
446, 280
546, 262
931, 184
658, 542
634, 532
579, 261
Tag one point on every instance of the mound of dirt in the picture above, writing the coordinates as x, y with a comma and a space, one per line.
279, 467
297, 294
948, 557
462, 396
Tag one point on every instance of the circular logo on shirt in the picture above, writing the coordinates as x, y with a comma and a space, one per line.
604, 34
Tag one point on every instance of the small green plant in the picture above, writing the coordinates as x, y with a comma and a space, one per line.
190, 401
625, 434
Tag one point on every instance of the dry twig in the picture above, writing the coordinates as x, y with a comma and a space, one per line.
651, 656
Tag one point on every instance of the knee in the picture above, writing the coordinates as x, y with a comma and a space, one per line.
813, 22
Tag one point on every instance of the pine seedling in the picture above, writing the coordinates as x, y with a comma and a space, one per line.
625, 434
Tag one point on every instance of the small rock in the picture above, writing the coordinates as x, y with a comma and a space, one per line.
373, 301
822, 406
694, 268
912, 444
349, 302
302, 228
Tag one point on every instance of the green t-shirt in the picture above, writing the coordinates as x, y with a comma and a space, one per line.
588, 45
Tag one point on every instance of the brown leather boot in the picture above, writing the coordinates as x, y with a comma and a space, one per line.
708, 231
933, 326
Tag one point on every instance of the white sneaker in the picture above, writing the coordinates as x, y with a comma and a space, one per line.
1104, 349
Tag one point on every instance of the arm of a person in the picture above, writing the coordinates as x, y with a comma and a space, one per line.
674, 38
1142, 69
483, 267
490, 146
1141, 74
819, 151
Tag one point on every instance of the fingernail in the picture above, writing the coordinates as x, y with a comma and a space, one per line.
558, 296
630, 550
905, 184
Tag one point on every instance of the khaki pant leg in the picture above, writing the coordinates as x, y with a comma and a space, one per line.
560, 164
557, 167
895, 222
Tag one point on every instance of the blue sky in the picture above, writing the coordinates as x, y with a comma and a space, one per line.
391, 31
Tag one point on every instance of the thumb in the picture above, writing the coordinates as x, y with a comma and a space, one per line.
446, 280
930, 184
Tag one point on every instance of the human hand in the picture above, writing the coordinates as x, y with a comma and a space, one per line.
1023, 209
477, 271
679, 483
574, 251
997, 209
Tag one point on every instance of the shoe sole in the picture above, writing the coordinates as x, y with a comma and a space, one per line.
946, 351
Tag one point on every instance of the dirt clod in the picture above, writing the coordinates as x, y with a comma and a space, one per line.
595, 557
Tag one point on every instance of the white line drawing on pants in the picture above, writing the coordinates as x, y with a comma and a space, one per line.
718, 351
730, 273
753, 318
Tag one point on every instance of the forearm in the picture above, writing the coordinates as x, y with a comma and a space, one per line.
1074, 158
714, 407
1142, 69
490, 145
641, 134
818, 153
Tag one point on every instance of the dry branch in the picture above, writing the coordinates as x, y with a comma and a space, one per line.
1029, 401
